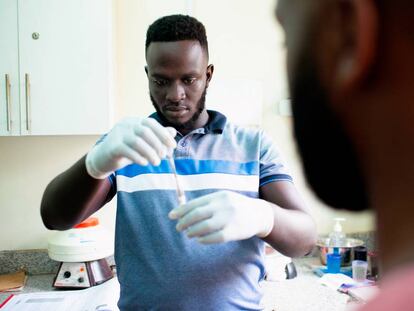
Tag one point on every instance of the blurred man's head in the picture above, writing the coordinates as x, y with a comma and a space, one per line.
340, 57
176, 50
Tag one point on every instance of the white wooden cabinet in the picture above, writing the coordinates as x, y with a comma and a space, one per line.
56, 56
9, 68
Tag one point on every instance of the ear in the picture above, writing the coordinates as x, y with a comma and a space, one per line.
209, 73
146, 70
360, 27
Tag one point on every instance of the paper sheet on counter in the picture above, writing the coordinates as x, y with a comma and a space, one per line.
13, 281
335, 280
103, 297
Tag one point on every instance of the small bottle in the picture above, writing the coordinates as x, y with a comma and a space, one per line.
333, 263
337, 237
373, 267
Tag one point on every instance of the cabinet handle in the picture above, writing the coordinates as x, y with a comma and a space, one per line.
8, 102
28, 112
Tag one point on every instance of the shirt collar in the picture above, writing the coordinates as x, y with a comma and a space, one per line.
216, 122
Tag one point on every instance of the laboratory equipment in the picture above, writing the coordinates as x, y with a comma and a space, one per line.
179, 189
82, 253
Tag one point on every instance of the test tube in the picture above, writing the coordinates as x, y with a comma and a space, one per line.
180, 192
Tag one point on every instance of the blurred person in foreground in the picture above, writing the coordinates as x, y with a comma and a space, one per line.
350, 67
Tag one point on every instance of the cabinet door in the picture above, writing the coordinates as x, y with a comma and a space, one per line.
9, 70
65, 66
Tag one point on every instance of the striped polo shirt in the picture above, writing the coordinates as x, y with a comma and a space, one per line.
160, 268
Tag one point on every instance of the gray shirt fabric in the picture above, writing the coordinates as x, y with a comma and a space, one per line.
160, 268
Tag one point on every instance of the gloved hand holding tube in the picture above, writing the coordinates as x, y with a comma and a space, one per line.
132, 140
224, 216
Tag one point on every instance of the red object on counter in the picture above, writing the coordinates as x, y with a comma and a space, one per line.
7, 299
89, 222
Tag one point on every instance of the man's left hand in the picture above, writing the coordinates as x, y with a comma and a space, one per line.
224, 216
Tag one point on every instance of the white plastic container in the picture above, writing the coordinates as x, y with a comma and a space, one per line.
86, 242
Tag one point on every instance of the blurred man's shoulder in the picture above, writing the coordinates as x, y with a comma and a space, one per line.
396, 292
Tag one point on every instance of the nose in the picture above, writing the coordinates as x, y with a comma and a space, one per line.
176, 92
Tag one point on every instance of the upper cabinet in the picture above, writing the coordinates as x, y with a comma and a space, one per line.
9, 68
55, 67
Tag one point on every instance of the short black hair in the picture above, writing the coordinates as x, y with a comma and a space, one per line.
176, 28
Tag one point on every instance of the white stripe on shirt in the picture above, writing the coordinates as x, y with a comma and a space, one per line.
145, 182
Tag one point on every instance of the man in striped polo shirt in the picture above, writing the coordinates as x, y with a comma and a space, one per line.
206, 254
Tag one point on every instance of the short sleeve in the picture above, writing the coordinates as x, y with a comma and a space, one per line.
272, 166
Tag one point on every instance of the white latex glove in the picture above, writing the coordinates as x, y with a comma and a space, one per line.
132, 140
224, 216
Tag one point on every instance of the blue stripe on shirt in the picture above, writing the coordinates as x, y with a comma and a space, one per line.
275, 177
193, 167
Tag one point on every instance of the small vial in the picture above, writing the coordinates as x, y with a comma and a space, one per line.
373, 269
359, 270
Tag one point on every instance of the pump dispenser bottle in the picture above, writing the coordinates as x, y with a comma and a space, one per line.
337, 237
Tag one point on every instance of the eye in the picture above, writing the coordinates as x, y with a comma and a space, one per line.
189, 80
160, 82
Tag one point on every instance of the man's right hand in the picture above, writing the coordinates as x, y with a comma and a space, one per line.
132, 140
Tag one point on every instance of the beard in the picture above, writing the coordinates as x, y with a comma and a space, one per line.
190, 124
329, 159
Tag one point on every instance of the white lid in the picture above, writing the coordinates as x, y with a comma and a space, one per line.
81, 244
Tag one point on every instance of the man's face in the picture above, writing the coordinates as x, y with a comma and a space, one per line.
178, 78
328, 156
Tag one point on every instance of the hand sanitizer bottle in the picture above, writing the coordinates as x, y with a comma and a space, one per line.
337, 238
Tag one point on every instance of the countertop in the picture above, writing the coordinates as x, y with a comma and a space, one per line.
301, 293
304, 293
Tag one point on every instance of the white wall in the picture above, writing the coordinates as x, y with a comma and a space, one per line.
27, 165
245, 42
